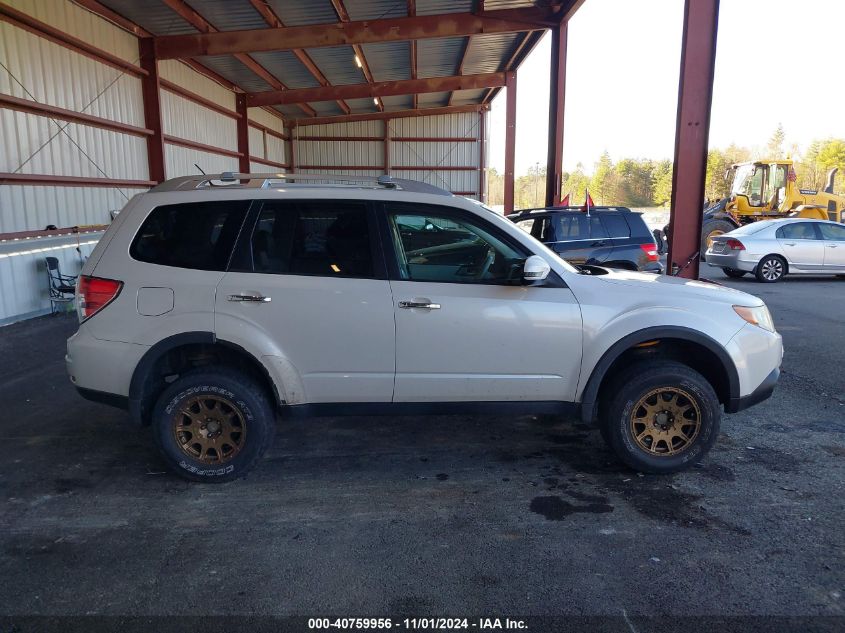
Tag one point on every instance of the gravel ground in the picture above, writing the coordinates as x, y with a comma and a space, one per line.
438, 516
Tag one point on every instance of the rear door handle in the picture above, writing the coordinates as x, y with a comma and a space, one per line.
831, 245
426, 305
789, 243
250, 298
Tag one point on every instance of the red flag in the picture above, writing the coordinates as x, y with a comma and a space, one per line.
588, 202
565, 201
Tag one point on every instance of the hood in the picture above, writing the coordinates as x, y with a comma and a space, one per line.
664, 285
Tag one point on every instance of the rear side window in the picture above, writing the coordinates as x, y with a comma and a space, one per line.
832, 231
541, 228
797, 231
580, 227
196, 235
328, 238
616, 225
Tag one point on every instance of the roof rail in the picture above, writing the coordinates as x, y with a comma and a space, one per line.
266, 181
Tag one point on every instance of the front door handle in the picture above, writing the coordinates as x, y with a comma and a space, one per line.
831, 245
789, 243
250, 298
426, 305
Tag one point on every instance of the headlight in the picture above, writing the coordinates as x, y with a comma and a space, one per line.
759, 316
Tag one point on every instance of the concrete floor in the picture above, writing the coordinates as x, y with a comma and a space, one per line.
430, 516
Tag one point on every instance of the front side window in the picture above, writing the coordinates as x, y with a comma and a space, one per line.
434, 248
197, 235
539, 228
832, 232
797, 231
328, 238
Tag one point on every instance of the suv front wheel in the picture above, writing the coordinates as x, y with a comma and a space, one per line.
213, 425
660, 416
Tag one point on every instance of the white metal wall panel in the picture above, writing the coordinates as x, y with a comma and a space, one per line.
439, 154
39, 70
185, 76
256, 143
179, 161
82, 24
261, 168
451, 180
189, 120
460, 124
260, 115
31, 207
38, 145
355, 153
276, 149
352, 128
23, 271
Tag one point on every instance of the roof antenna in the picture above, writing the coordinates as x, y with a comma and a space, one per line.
200, 168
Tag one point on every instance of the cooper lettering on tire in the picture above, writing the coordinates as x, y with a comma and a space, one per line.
213, 425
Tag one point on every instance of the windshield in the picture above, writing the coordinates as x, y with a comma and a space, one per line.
748, 181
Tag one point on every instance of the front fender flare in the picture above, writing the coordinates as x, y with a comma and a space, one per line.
589, 396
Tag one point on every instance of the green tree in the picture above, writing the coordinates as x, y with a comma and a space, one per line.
603, 182
662, 183
574, 184
774, 148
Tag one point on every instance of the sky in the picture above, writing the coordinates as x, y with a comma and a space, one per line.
622, 80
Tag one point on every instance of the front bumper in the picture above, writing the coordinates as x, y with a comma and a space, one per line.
763, 392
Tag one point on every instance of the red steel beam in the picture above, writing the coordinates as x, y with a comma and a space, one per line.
402, 139
695, 92
269, 163
460, 66
42, 109
482, 172
268, 131
343, 16
151, 96
380, 89
72, 181
361, 32
28, 23
510, 140
211, 149
557, 99
70, 230
393, 167
415, 100
112, 16
387, 146
378, 116
192, 96
242, 134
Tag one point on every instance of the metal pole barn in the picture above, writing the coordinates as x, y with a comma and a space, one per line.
695, 92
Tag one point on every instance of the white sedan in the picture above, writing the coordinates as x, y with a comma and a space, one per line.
773, 248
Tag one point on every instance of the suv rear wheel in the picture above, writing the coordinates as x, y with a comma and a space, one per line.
662, 417
213, 425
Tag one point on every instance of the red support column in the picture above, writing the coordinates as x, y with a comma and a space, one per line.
290, 147
150, 93
482, 148
510, 138
695, 92
243, 133
557, 97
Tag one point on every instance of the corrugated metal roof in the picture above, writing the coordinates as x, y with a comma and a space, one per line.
309, 12
389, 61
467, 97
153, 15
326, 108
288, 110
433, 99
375, 9
402, 102
361, 105
287, 68
496, 5
226, 15
233, 70
338, 64
488, 53
439, 57
433, 7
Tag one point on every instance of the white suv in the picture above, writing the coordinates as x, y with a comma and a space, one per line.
213, 303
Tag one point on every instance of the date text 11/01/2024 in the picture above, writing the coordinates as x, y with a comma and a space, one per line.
431, 624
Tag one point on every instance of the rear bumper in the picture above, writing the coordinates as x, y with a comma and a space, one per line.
730, 260
763, 392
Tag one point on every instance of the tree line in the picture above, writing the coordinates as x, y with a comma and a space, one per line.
636, 182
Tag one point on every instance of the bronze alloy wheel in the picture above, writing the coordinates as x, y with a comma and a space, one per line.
210, 429
665, 421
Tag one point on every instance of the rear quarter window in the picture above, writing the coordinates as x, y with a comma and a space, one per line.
195, 235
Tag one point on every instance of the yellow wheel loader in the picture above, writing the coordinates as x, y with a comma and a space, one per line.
766, 189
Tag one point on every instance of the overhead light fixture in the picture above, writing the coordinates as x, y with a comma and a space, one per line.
358, 62
375, 100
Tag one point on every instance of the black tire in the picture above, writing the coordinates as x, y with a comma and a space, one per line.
771, 268
251, 409
712, 226
733, 273
635, 383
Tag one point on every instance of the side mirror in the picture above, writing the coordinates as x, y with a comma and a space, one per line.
535, 269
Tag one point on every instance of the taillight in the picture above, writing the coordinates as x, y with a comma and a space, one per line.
93, 294
650, 251
735, 245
